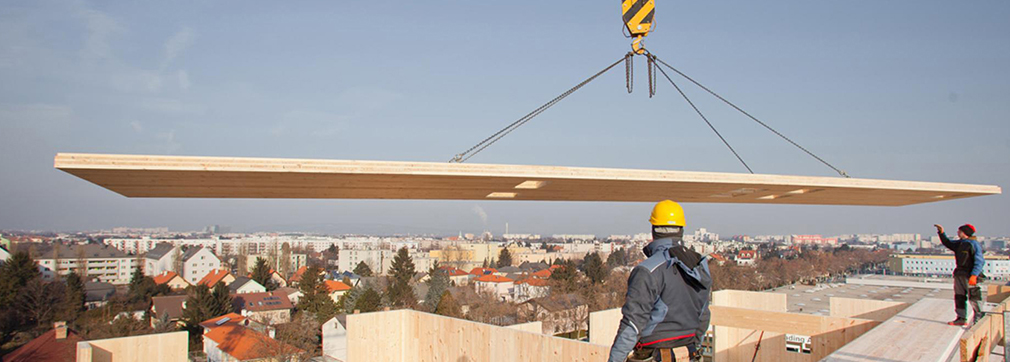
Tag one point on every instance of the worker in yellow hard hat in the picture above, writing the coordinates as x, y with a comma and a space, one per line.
665, 313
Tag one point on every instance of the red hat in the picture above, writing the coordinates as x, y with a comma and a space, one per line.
967, 229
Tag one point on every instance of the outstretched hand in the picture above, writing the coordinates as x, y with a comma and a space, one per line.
939, 228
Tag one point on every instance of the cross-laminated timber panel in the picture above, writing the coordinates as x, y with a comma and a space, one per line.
220, 177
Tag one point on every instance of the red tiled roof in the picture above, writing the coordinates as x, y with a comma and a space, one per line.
47, 348
546, 273
335, 286
491, 278
212, 278
298, 274
246, 344
165, 277
233, 319
536, 282
718, 257
482, 271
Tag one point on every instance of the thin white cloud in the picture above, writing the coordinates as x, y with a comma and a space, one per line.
183, 77
480, 213
177, 44
137, 127
171, 145
101, 27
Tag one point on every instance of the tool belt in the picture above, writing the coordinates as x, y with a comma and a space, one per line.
679, 354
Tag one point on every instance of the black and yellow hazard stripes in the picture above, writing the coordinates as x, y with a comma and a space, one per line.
638, 16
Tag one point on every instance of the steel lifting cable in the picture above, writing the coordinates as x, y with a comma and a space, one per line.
724, 100
462, 157
701, 115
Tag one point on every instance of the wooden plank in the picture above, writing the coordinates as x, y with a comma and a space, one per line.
780, 322
918, 333
222, 177
877, 310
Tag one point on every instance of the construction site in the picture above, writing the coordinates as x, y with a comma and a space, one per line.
859, 320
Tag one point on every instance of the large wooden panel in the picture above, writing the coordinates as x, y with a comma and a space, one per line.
918, 333
407, 335
219, 177
877, 310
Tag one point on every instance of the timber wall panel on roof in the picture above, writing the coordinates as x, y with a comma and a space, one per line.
221, 177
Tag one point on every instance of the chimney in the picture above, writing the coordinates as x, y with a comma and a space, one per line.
272, 332
61, 330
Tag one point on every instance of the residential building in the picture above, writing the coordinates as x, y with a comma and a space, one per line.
57, 345
335, 338
160, 259
216, 276
97, 294
500, 286
173, 280
996, 266
337, 289
292, 293
245, 285
237, 343
197, 262
268, 308
378, 260
558, 313
167, 308
102, 262
530, 288
4, 254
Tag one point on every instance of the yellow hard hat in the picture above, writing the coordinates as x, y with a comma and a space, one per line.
667, 213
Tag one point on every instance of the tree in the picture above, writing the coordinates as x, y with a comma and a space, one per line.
593, 266
303, 332
82, 262
448, 306
177, 260
504, 258
73, 299
369, 301
198, 309
262, 274
15, 274
284, 265
315, 298
363, 269
618, 258
39, 301
566, 277
399, 291
438, 284
220, 300
347, 301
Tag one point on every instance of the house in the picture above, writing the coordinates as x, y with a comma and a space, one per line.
268, 308
529, 267
167, 307
173, 280
543, 274
244, 285
4, 254
458, 276
230, 319
500, 286
160, 259
506, 270
197, 262
346, 277
292, 293
335, 338
746, 257
718, 258
236, 342
530, 288
558, 313
102, 262
479, 272
216, 276
56, 345
297, 276
97, 294
277, 279
337, 289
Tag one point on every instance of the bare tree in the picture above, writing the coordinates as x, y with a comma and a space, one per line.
177, 262
82, 262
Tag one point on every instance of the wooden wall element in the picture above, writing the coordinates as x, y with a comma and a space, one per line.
737, 344
977, 343
533, 327
407, 335
996, 293
918, 333
877, 310
603, 326
160, 347
224, 177
772, 302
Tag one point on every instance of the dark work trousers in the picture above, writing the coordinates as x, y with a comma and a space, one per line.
966, 293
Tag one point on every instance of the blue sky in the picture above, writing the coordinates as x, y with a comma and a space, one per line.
882, 89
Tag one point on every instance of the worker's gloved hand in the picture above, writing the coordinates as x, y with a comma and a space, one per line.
973, 280
939, 229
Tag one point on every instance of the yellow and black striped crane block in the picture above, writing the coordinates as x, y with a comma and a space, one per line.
637, 18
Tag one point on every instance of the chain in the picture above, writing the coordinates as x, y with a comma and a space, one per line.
629, 73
